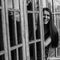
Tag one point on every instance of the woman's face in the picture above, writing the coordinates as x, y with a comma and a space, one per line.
46, 17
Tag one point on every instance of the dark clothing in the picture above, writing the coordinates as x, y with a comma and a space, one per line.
54, 35
46, 35
46, 31
55, 39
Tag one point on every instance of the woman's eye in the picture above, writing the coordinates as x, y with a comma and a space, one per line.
48, 15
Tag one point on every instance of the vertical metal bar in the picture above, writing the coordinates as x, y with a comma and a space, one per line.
53, 7
7, 30
56, 52
34, 20
23, 28
41, 29
15, 27
16, 33
26, 30
54, 12
46, 3
4, 30
34, 29
17, 54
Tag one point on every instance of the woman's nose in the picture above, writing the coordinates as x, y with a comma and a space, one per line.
46, 16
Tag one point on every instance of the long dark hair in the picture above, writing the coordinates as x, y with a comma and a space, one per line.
53, 29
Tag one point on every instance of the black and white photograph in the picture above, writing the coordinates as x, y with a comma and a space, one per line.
29, 29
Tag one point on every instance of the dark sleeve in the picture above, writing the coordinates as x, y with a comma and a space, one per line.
55, 40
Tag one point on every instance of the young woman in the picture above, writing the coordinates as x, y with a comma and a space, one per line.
50, 31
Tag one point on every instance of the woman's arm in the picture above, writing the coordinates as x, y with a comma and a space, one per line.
47, 42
